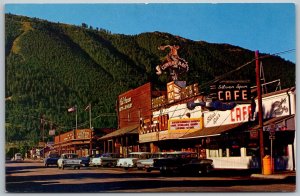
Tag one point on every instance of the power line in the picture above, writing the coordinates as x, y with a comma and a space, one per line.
244, 65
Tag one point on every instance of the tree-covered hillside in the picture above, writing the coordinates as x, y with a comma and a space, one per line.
52, 66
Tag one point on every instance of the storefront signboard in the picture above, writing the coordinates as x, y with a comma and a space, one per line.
232, 91
185, 124
240, 113
274, 106
83, 134
125, 103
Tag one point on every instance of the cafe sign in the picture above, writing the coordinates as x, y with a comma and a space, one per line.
231, 91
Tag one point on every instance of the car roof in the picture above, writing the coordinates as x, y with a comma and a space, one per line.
179, 152
110, 153
140, 153
69, 154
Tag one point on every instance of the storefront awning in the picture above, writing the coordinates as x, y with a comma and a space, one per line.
211, 131
124, 131
287, 122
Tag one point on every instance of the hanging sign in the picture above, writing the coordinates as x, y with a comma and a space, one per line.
253, 134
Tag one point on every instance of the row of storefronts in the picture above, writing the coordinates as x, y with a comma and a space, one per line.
165, 121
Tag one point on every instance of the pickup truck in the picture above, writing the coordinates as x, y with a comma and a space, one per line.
69, 160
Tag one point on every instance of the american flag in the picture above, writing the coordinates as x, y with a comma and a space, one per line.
72, 109
87, 107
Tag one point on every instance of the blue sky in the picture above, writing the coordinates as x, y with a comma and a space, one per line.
269, 28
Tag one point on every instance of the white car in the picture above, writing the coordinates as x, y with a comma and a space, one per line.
17, 157
107, 159
69, 160
131, 161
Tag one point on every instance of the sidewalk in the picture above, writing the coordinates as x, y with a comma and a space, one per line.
277, 175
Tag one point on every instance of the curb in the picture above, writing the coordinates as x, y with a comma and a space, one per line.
272, 176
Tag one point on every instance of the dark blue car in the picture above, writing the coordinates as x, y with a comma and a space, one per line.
51, 160
85, 161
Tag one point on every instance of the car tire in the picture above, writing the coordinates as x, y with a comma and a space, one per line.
206, 169
148, 170
62, 167
163, 170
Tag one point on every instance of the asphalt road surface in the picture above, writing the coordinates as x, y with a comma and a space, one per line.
33, 177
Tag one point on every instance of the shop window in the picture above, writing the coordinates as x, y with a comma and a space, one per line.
235, 152
279, 150
254, 152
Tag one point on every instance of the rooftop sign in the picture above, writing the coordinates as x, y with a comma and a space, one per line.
172, 62
231, 91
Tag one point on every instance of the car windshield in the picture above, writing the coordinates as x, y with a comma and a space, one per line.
53, 156
70, 156
97, 155
180, 155
156, 155
108, 155
140, 156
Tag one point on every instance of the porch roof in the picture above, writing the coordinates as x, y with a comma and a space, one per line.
211, 131
133, 129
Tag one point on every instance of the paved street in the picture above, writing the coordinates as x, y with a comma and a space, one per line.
30, 176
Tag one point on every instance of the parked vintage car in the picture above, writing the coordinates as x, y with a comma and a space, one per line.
69, 160
51, 159
107, 159
131, 161
147, 164
183, 162
85, 160
94, 156
17, 157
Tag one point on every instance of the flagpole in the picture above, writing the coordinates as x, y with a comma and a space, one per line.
90, 111
76, 117
91, 137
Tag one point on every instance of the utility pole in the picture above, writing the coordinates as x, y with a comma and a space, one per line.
260, 112
43, 132
76, 118
91, 128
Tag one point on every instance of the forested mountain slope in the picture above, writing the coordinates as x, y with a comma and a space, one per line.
52, 66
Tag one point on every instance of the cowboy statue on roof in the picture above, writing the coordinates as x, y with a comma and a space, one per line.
173, 62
